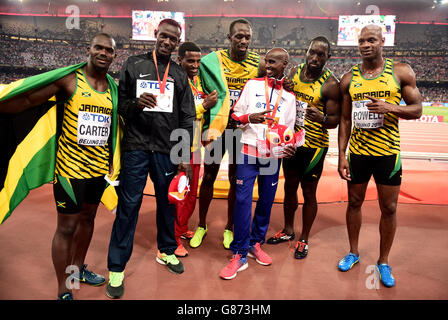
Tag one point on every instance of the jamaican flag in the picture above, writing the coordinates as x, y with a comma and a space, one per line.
28, 141
213, 78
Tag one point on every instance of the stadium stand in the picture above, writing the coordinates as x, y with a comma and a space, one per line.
32, 44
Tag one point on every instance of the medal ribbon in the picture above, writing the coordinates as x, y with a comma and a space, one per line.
162, 85
194, 85
268, 103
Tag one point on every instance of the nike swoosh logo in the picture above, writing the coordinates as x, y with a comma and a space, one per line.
259, 95
274, 183
144, 75
168, 174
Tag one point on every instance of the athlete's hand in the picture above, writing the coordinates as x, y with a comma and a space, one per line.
289, 151
147, 100
185, 167
313, 114
344, 168
111, 170
378, 106
260, 117
210, 100
288, 85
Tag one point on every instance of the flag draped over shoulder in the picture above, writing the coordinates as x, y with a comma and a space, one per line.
29, 141
213, 78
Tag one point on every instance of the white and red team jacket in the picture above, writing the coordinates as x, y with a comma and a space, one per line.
253, 100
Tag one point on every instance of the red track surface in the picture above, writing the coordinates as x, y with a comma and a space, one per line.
418, 257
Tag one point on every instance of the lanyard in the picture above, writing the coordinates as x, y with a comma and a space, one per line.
268, 103
162, 85
194, 86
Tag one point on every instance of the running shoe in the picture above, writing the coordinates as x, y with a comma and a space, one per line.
89, 277
187, 235
386, 276
181, 251
236, 264
301, 249
115, 287
228, 238
281, 236
199, 235
171, 261
259, 255
66, 296
348, 262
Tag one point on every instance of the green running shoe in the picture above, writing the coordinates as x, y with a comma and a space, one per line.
115, 287
171, 261
200, 233
228, 238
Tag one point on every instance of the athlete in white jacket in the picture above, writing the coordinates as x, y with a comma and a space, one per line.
254, 119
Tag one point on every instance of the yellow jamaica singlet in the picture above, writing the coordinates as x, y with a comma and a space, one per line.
238, 72
199, 95
83, 149
309, 94
374, 134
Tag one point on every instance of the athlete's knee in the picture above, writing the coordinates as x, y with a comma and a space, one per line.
355, 202
309, 191
66, 228
388, 209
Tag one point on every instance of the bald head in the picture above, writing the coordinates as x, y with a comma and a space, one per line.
370, 42
373, 28
276, 61
280, 53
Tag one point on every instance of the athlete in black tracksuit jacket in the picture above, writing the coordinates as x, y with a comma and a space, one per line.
146, 148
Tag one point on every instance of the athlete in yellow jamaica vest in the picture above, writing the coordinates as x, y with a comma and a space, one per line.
318, 109
371, 95
83, 157
239, 64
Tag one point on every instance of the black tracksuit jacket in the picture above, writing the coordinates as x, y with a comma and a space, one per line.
150, 131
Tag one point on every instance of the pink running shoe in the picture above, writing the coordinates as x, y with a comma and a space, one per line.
260, 256
237, 263
187, 235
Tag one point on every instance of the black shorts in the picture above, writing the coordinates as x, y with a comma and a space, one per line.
70, 194
308, 163
386, 170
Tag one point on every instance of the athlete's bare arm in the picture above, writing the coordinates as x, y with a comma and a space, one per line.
409, 91
292, 72
288, 84
62, 87
405, 77
331, 95
345, 126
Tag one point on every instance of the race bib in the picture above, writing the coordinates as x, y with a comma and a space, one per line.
93, 128
234, 95
364, 119
164, 101
198, 100
300, 113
